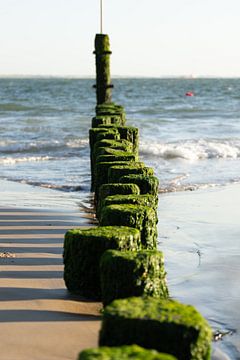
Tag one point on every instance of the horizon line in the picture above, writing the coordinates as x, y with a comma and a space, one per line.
71, 76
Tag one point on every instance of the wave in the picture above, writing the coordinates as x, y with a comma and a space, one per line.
14, 107
77, 143
46, 185
194, 150
12, 161
11, 147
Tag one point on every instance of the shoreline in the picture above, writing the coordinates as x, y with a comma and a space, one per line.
39, 318
199, 233
193, 228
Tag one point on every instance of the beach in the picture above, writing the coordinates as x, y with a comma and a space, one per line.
199, 235
39, 318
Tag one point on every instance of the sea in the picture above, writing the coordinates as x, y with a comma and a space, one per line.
192, 142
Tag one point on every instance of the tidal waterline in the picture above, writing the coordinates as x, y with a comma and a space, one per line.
199, 234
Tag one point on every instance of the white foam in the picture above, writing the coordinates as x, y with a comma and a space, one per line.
12, 161
77, 143
194, 150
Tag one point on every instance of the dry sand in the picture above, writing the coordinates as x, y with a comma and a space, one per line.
39, 319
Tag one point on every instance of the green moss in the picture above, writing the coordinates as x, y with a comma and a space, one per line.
136, 216
147, 184
130, 273
114, 151
133, 352
129, 133
163, 325
121, 144
106, 120
83, 249
145, 200
100, 175
118, 156
102, 43
111, 109
108, 135
95, 135
116, 172
103, 85
120, 151
113, 189
94, 132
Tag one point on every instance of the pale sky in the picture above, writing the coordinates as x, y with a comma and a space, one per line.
148, 37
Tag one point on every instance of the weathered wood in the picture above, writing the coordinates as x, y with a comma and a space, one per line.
103, 77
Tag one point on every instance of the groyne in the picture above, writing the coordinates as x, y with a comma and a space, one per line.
117, 262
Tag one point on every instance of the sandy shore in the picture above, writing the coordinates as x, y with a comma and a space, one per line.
39, 319
199, 233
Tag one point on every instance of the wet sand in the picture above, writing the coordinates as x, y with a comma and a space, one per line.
39, 318
199, 233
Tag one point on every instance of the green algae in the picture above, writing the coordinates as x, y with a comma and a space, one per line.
129, 133
145, 200
106, 120
130, 273
83, 249
133, 352
136, 216
106, 190
116, 172
147, 184
103, 77
100, 176
175, 328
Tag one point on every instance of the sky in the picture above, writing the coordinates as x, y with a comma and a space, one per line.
152, 38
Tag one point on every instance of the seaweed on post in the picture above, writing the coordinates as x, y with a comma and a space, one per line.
136, 216
131, 352
175, 328
83, 249
132, 273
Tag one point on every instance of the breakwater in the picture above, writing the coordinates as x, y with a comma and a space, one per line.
118, 261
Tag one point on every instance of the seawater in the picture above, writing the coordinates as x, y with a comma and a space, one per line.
191, 142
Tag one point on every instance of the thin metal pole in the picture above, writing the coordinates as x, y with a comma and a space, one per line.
101, 17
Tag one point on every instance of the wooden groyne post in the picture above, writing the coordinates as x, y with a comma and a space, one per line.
103, 77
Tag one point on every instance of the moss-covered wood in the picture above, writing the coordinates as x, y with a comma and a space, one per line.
103, 77
100, 174
95, 135
129, 133
106, 120
113, 110
136, 216
121, 144
132, 273
118, 149
145, 200
108, 135
164, 325
116, 172
147, 184
114, 151
106, 190
133, 352
83, 249
94, 132
118, 156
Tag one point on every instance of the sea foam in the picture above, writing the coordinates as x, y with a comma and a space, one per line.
193, 150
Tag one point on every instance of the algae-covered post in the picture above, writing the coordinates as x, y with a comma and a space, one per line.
103, 77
